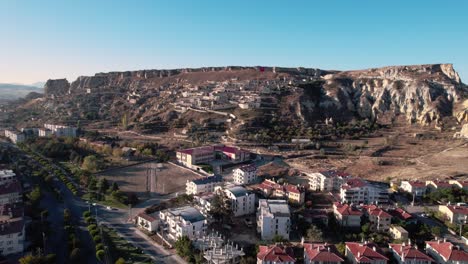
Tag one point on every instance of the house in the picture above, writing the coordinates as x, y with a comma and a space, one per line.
379, 219
193, 156
275, 254
416, 188
242, 201
61, 130
203, 185
149, 222
246, 174
398, 232
183, 221
347, 215
445, 252
15, 136
294, 193
273, 219
454, 213
459, 184
12, 228
364, 253
437, 185
402, 215
321, 253
409, 254
11, 192
327, 181
358, 191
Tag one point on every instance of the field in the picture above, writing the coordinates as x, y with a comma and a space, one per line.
142, 177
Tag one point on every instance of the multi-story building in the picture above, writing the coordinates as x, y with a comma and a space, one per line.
246, 174
44, 132
409, 254
203, 203
445, 252
368, 253
321, 253
327, 181
402, 215
12, 229
437, 185
275, 254
416, 188
379, 219
454, 213
358, 191
61, 130
273, 219
242, 201
15, 136
347, 215
149, 222
398, 232
7, 176
183, 221
294, 193
10, 192
203, 185
193, 156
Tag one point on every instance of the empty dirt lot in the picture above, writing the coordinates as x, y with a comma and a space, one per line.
162, 179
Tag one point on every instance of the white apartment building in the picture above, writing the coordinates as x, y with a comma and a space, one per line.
242, 201
203, 203
183, 221
327, 181
149, 222
15, 136
246, 174
416, 188
12, 229
44, 132
61, 131
273, 218
357, 191
7, 176
203, 185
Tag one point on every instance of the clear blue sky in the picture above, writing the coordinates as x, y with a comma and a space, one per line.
42, 39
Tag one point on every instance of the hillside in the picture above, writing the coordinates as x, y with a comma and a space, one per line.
15, 91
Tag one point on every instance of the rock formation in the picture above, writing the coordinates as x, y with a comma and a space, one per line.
56, 87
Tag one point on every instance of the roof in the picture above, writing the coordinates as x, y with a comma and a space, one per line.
229, 149
6, 173
345, 209
376, 211
238, 191
147, 217
334, 173
399, 228
400, 213
365, 252
417, 184
442, 184
248, 168
10, 187
276, 253
201, 149
292, 188
322, 252
409, 252
355, 183
276, 207
188, 213
448, 251
209, 179
463, 210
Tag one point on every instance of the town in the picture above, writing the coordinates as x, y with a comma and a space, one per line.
215, 204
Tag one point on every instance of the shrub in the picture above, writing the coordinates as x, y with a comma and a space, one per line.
94, 232
100, 255
99, 246
92, 227
97, 239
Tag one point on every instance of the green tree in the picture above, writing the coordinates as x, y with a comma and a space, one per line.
100, 255
66, 216
184, 247
147, 152
120, 261
103, 185
436, 231
90, 163
314, 234
35, 196
278, 239
115, 187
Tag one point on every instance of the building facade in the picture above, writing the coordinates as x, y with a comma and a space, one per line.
246, 174
416, 188
327, 181
273, 219
321, 253
358, 191
408, 254
242, 201
445, 252
454, 213
183, 221
347, 215
203, 185
368, 253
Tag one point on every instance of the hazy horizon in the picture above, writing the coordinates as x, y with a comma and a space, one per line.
56, 39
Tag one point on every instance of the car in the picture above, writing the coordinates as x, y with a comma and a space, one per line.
94, 204
109, 208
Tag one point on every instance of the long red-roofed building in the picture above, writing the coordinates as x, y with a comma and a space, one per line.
277, 254
446, 252
368, 253
409, 254
321, 253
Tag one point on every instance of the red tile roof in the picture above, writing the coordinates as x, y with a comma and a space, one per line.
354, 183
448, 251
409, 252
374, 210
400, 213
292, 188
417, 184
442, 184
345, 209
322, 252
365, 252
463, 210
147, 217
276, 253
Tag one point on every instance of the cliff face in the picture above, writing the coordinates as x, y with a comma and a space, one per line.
421, 93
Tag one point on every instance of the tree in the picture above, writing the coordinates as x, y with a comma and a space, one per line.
248, 260
100, 255
147, 152
115, 187
103, 185
184, 247
66, 216
314, 233
75, 255
30, 259
120, 261
90, 163
221, 207
365, 228
436, 231
35, 196
278, 239
117, 152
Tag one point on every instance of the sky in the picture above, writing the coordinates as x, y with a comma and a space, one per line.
51, 39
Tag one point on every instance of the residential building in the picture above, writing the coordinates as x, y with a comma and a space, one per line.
45, 132
183, 221
246, 174
409, 254
368, 253
193, 156
7, 176
379, 219
275, 254
347, 215
203, 185
416, 188
327, 181
294, 193
273, 219
320, 253
454, 213
12, 229
149, 222
358, 191
11, 192
402, 215
398, 232
242, 201
15, 136
445, 252
203, 203
437, 185
459, 184
61, 130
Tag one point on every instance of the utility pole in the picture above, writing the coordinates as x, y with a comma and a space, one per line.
461, 225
